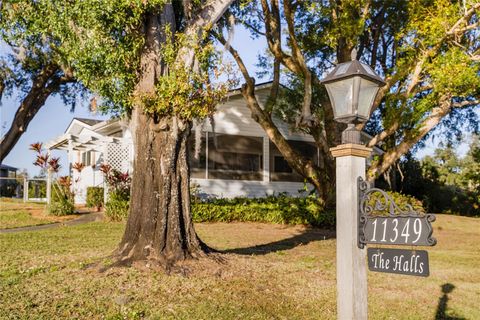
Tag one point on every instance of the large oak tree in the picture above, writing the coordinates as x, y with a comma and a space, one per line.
149, 61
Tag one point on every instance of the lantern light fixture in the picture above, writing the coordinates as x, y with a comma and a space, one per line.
352, 87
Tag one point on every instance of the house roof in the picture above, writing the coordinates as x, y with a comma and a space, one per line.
90, 122
9, 168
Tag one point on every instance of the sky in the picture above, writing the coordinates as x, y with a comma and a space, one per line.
54, 117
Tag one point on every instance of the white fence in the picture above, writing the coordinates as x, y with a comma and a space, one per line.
35, 189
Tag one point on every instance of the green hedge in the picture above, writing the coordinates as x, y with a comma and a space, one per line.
116, 208
280, 209
95, 197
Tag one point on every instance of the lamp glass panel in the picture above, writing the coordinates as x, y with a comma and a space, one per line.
341, 96
368, 91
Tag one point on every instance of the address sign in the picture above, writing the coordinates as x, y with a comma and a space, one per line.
382, 221
409, 262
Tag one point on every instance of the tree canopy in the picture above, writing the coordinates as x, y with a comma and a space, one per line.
427, 51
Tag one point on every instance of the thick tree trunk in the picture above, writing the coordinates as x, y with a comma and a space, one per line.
160, 226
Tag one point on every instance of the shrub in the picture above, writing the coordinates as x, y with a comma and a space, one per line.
272, 209
401, 200
116, 208
37, 189
62, 200
95, 197
8, 188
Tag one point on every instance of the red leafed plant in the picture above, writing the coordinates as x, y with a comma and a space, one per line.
54, 164
37, 146
43, 160
78, 166
65, 181
117, 181
105, 168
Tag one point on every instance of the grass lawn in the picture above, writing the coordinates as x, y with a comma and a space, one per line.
269, 272
14, 214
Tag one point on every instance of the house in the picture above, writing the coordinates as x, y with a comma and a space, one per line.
241, 162
8, 182
7, 171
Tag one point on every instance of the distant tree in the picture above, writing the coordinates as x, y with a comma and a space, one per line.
444, 182
470, 168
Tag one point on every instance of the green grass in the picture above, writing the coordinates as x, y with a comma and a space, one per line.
14, 213
46, 275
20, 218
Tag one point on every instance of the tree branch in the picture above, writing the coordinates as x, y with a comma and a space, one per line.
300, 164
211, 12
44, 84
465, 103
412, 137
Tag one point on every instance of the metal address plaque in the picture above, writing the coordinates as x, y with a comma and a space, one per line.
381, 221
409, 262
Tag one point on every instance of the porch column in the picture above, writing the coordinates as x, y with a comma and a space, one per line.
25, 189
49, 186
266, 159
206, 154
105, 186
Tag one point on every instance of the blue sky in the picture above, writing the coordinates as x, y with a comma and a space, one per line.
52, 120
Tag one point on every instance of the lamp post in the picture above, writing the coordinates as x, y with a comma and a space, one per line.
352, 87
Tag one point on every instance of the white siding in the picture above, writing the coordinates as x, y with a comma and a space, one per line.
240, 188
234, 117
87, 178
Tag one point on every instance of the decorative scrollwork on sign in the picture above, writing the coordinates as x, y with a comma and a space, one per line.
375, 201
382, 221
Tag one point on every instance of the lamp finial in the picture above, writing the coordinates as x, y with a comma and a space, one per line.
353, 54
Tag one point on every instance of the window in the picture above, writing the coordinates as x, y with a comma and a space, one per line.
235, 157
280, 170
88, 158
199, 163
281, 165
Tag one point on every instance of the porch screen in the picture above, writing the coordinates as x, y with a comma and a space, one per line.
280, 170
235, 157
197, 164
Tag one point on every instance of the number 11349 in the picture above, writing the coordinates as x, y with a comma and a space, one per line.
415, 231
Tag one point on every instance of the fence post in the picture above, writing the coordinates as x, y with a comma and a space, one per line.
105, 193
25, 189
49, 186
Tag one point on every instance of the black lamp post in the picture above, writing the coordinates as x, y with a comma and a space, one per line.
352, 87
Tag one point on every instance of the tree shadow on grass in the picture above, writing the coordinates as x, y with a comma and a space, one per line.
442, 304
307, 236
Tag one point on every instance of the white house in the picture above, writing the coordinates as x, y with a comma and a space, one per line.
243, 162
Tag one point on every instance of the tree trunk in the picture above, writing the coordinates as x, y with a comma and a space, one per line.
317, 176
160, 226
